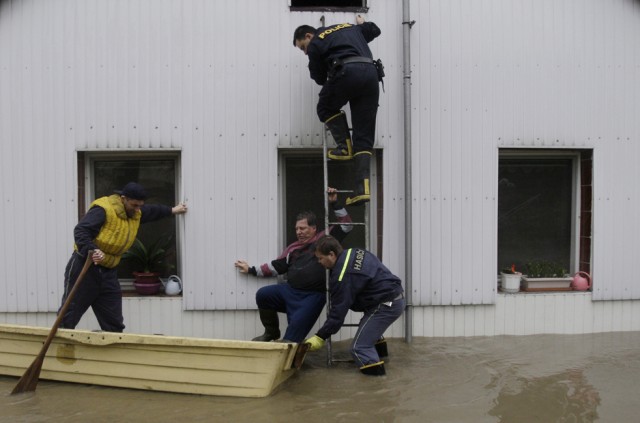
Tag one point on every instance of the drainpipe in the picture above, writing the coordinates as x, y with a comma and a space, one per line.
406, 69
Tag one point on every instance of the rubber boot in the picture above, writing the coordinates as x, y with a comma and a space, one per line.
339, 128
381, 348
376, 369
362, 194
269, 319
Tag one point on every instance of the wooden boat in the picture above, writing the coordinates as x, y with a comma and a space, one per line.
150, 362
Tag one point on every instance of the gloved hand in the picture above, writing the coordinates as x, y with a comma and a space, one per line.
315, 343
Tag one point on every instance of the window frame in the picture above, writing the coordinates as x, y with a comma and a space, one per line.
373, 238
576, 157
86, 192
363, 8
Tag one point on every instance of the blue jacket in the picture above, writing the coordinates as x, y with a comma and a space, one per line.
337, 42
359, 281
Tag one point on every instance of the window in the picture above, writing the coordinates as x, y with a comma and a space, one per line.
157, 172
342, 5
303, 187
544, 208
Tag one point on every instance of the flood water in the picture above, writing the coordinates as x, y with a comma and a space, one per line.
539, 378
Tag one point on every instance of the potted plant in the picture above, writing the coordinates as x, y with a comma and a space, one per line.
148, 260
510, 279
543, 275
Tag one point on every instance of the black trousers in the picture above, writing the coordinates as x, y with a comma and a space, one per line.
356, 84
99, 290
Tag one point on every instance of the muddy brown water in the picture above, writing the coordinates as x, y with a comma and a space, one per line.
538, 378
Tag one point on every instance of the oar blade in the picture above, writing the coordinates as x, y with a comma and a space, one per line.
29, 379
301, 353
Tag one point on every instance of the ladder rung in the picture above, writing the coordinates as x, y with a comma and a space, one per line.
327, 224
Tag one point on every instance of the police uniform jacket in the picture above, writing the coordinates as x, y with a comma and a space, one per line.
359, 281
338, 42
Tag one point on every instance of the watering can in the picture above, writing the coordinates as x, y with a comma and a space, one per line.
581, 281
173, 285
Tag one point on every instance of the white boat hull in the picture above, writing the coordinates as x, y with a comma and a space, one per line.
150, 362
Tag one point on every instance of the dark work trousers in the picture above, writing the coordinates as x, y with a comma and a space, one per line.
356, 84
371, 328
100, 290
302, 307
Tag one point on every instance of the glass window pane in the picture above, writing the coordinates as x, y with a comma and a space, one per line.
328, 3
304, 188
535, 211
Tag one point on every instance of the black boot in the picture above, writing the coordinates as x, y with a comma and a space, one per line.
362, 194
376, 369
339, 129
381, 347
269, 319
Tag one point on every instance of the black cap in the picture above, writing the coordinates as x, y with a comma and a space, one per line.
134, 191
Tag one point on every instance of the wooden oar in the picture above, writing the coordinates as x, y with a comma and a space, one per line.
301, 353
29, 379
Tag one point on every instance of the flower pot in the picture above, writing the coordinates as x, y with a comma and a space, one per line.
147, 288
546, 284
147, 283
147, 277
510, 282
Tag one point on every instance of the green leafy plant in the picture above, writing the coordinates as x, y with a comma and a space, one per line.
544, 269
148, 258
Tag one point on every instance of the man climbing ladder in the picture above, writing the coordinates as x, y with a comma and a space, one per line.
340, 60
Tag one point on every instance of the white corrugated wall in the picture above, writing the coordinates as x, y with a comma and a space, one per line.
224, 86
519, 74
221, 82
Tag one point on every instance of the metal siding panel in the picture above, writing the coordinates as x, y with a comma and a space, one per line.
458, 319
506, 322
523, 315
24, 139
448, 320
9, 212
41, 161
165, 315
118, 80
438, 321
448, 81
57, 161
564, 315
445, 154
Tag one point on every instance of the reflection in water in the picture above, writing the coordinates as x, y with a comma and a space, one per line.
566, 397
540, 378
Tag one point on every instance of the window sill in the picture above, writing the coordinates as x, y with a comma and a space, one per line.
545, 291
129, 294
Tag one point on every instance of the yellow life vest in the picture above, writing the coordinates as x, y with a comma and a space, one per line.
118, 231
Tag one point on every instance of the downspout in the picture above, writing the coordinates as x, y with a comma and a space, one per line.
406, 66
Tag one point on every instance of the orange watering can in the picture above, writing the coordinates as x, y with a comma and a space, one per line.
581, 281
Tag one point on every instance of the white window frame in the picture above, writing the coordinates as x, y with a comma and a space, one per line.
574, 258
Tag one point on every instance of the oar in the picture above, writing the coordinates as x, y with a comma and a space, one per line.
29, 379
301, 353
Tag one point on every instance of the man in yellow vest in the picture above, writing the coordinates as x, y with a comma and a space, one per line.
109, 229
